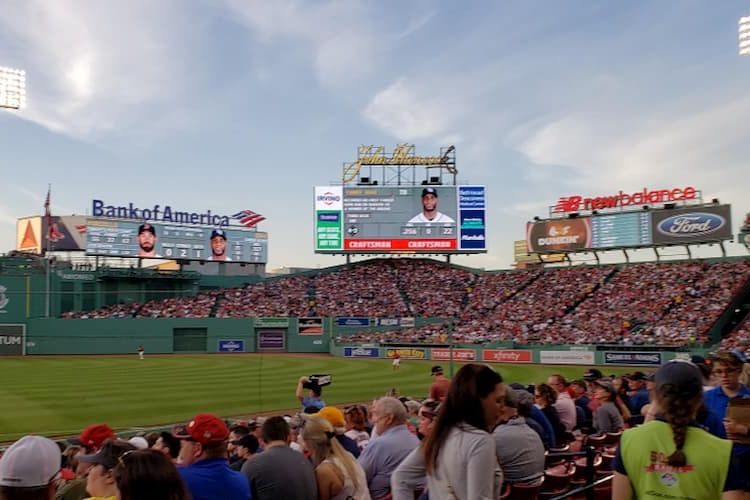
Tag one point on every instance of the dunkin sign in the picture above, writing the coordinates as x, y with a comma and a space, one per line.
562, 235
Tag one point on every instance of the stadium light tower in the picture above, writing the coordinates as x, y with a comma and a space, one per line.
744, 36
12, 88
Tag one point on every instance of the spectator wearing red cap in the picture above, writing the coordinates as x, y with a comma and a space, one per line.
203, 456
91, 439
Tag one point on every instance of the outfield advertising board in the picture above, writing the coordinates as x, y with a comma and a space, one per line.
123, 238
271, 340
393, 219
566, 357
406, 352
506, 356
458, 354
231, 345
12, 340
310, 326
632, 358
271, 322
361, 352
353, 322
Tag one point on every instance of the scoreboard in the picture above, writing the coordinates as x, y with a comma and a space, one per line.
678, 226
119, 238
621, 230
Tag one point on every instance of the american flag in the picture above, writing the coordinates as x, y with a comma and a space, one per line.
248, 218
53, 233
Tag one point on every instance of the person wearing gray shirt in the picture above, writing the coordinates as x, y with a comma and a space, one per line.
518, 447
607, 417
279, 472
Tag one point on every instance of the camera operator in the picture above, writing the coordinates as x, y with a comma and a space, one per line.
314, 401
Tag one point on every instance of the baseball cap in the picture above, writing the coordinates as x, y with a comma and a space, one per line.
592, 374
436, 369
139, 442
30, 462
682, 374
250, 442
218, 232
511, 397
431, 191
146, 227
95, 434
607, 384
640, 376
108, 454
204, 428
333, 415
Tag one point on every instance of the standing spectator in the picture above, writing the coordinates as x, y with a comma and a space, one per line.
148, 475
440, 384
245, 448
607, 417
566, 408
669, 458
203, 456
279, 472
337, 473
459, 456
518, 447
355, 424
29, 468
545, 397
727, 367
393, 444
314, 399
336, 418
100, 482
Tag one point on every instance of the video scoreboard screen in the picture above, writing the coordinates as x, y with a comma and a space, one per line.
400, 219
121, 238
680, 226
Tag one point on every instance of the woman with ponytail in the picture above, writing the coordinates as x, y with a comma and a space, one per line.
337, 473
671, 456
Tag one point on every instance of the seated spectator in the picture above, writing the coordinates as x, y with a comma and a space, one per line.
29, 469
269, 472
337, 473
356, 420
426, 418
91, 439
336, 418
168, 444
100, 481
545, 397
536, 420
564, 405
236, 432
203, 459
519, 449
394, 442
607, 417
245, 448
148, 475
581, 399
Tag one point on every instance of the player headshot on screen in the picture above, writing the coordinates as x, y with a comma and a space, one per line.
429, 211
219, 245
147, 241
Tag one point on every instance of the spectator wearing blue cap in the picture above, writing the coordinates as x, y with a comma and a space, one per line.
219, 246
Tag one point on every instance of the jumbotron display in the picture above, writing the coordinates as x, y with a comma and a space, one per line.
690, 225
121, 238
400, 219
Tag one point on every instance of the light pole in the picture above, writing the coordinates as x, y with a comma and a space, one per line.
744, 36
12, 88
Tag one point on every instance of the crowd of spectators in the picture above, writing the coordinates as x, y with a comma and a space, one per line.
739, 337
478, 432
646, 303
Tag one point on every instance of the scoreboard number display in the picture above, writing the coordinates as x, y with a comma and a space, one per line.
121, 238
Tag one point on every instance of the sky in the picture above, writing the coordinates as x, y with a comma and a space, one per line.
242, 104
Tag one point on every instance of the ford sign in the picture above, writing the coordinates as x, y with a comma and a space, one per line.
691, 224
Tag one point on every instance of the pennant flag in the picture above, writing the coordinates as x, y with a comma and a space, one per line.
248, 218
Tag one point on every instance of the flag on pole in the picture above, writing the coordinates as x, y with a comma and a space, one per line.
248, 218
53, 233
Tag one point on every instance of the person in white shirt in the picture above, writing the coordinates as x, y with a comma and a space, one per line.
429, 213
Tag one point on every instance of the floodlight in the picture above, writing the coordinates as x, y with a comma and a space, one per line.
12, 88
744, 35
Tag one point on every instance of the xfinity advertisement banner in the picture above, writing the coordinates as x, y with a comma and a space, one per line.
632, 358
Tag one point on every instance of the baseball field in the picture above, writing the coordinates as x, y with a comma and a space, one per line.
58, 396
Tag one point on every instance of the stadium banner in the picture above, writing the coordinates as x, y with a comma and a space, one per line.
127, 238
408, 322
29, 235
458, 354
231, 345
271, 340
310, 326
383, 219
632, 358
506, 356
12, 340
566, 357
563, 235
352, 322
271, 322
406, 352
361, 352
388, 321
681, 226
67, 233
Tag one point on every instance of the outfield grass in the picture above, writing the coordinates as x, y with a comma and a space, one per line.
60, 395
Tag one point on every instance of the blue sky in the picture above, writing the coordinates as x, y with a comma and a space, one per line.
241, 104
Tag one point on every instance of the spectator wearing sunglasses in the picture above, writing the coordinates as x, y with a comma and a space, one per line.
148, 475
